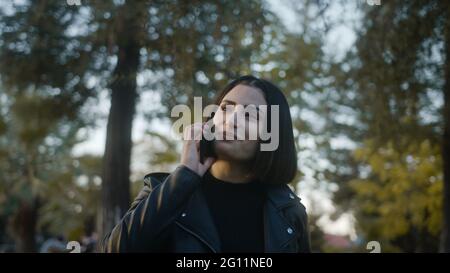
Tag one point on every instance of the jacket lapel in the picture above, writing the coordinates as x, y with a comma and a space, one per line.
196, 217
197, 220
278, 231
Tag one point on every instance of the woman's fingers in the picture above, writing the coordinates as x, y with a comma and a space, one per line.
193, 131
205, 166
190, 157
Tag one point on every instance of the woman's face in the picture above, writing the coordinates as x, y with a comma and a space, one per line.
231, 121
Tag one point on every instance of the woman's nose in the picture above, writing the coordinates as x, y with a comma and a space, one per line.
231, 120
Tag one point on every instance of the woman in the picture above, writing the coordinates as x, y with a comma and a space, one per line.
238, 201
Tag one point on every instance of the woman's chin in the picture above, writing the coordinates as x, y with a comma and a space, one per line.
230, 150
225, 148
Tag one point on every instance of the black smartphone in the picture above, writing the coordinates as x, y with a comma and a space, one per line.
207, 147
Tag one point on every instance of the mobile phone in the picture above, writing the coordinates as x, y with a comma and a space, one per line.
207, 147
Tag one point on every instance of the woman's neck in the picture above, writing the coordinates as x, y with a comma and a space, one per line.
233, 172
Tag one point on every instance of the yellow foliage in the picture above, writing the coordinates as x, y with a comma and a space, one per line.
403, 189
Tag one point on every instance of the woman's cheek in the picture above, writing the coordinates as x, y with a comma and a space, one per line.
218, 118
252, 130
248, 148
218, 121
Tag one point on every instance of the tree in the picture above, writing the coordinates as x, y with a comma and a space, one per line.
44, 84
445, 240
116, 168
400, 201
390, 89
35, 164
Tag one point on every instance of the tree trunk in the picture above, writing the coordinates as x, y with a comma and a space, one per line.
445, 240
24, 225
116, 162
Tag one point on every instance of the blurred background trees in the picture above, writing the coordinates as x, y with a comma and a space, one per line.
394, 87
372, 122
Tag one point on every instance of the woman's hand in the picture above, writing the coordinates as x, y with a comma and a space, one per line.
190, 157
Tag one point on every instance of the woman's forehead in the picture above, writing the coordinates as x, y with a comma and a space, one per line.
245, 95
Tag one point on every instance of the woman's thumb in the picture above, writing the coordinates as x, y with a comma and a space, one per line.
208, 162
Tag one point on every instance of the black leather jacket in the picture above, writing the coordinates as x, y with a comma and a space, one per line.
170, 214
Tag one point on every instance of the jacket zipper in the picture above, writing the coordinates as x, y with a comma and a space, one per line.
197, 236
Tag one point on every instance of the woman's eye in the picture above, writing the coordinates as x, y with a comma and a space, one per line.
223, 107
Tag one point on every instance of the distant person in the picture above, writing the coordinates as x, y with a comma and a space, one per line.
54, 245
89, 243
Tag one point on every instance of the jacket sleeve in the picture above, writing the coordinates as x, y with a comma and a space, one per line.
153, 210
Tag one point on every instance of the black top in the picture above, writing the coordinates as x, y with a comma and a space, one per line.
237, 210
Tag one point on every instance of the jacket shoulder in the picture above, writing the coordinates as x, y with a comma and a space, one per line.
153, 179
284, 198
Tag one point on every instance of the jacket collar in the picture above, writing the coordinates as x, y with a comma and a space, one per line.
280, 195
197, 220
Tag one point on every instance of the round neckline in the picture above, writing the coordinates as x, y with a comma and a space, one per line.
214, 180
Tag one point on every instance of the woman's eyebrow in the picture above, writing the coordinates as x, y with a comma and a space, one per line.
229, 102
234, 103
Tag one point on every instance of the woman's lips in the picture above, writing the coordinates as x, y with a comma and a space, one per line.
227, 136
